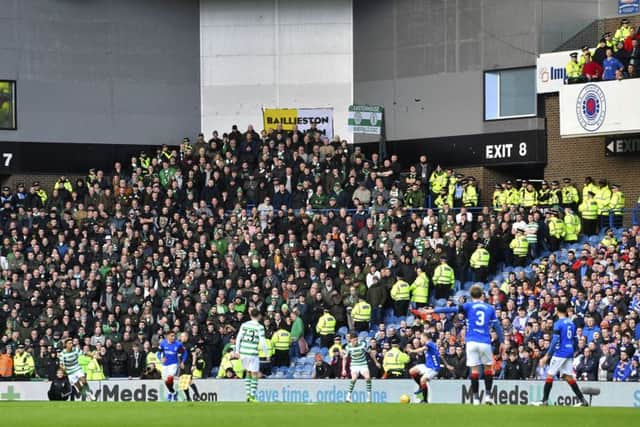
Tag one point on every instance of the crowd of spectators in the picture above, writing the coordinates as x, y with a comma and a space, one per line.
616, 57
303, 228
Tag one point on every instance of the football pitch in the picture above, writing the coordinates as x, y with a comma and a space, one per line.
157, 414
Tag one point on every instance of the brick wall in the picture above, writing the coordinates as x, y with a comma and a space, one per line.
591, 33
577, 158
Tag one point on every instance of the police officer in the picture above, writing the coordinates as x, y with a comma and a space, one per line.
571, 225
556, 230
555, 195
589, 185
438, 180
589, 211
529, 196
443, 198
20, 196
94, 370
623, 31
395, 361
498, 199
145, 163
40, 193
608, 41
281, 341
570, 195
470, 193
326, 328
583, 56
609, 239
400, 294
23, 364
574, 70
544, 196
513, 195
444, 279
616, 203
420, 288
456, 188
520, 248
361, 315
603, 199
266, 359
479, 263
63, 185
6, 196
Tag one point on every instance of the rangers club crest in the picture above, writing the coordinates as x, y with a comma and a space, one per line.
591, 108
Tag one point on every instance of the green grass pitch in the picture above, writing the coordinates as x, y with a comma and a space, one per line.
158, 414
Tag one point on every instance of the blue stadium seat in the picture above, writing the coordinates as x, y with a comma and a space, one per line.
363, 336
594, 240
390, 319
343, 331
467, 286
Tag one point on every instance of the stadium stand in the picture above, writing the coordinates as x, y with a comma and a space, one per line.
307, 230
616, 57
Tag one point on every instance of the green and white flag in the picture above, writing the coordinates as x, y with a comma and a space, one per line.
365, 119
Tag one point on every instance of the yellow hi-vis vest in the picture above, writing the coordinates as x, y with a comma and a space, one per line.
395, 360
361, 312
281, 340
444, 275
571, 227
400, 291
420, 289
479, 258
589, 209
326, 324
520, 246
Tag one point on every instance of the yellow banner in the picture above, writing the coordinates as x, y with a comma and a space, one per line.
304, 118
272, 117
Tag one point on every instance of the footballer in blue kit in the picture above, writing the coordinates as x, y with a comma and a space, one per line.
561, 350
423, 373
481, 317
172, 354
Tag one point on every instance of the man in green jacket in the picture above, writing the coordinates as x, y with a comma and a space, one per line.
414, 198
297, 332
166, 174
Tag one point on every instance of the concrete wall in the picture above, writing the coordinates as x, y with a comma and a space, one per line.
561, 19
274, 53
104, 71
424, 59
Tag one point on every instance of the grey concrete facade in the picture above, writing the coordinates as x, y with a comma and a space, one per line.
424, 60
102, 71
